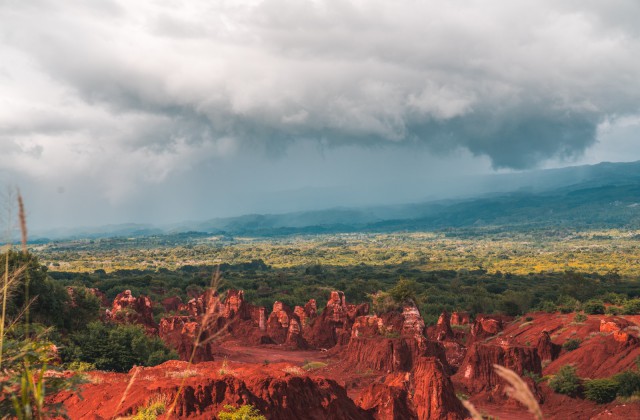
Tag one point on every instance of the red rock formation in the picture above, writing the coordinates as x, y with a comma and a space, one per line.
433, 394
391, 354
413, 323
477, 372
389, 399
460, 318
259, 317
278, 322
234, 305
334, 325
618, 328
454, 352
426, 393
135, 310
172, 304
208, 387
443, 329
486, 326
369, 326
311, 309
180, 333
547, 350
283, 326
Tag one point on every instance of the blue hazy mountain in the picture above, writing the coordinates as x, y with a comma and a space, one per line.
590, 196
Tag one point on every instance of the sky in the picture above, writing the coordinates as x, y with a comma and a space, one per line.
164, 111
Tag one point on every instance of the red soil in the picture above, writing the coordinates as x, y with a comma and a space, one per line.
373, 367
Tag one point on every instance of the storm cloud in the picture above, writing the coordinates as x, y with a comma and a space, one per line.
128, 93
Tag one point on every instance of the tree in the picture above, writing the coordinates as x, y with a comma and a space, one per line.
602, 390
116, 347
405, 291
565, 381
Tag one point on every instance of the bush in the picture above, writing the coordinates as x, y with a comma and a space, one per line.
313, 365
571, 344
548, 307
566, 381
382, 302
81, 366
404, 291
601, 391
155, 407
579, 318
628, 382
631, 307
244, 412
567, 304
613, 310
594, 307
117, 348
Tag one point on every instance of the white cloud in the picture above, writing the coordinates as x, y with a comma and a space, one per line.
125, 94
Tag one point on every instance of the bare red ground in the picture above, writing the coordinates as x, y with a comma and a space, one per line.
375, 367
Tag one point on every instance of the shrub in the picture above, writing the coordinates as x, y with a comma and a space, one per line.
534, 376
404, 291
628, 382
549, 307
155, 407
79, 366
631, 307
571, 344
244, 412
117, 347
613, 310
593, 307
601, 391
565, 381
567, 304
382, 302
579, 318
313, 365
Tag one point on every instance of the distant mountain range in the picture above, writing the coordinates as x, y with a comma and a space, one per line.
606, 195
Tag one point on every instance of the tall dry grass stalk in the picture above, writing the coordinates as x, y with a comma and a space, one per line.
208, 319
519, 390
22, 216
475, 414
126, 391
10, 279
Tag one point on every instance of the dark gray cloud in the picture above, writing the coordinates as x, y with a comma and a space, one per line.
127, 95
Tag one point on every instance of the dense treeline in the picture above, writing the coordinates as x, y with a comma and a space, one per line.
476, 291
64, 300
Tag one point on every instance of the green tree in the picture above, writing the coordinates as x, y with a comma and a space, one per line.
405, 291
602, 390
117, 348
565, 381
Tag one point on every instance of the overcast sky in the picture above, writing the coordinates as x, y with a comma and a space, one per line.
162, 111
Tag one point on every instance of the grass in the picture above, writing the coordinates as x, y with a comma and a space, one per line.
313, 366
187, 373
293, 370
224, 370
156, 406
